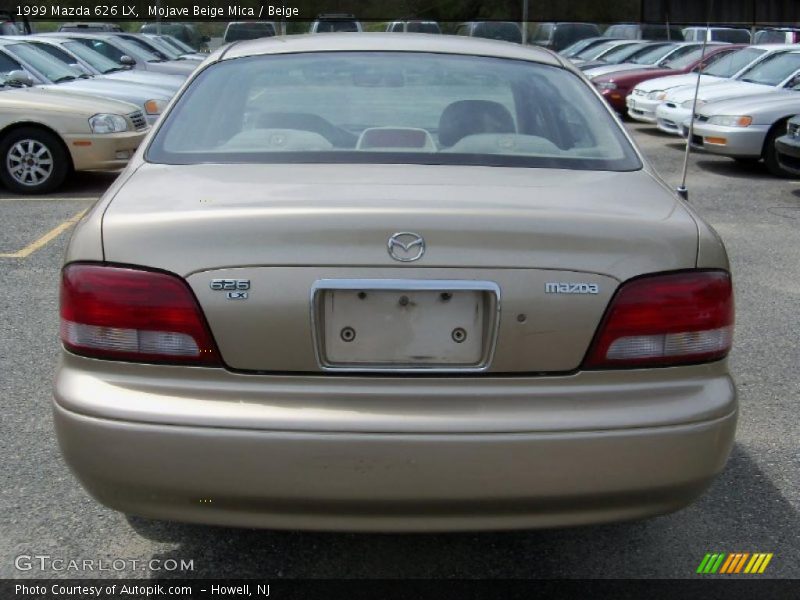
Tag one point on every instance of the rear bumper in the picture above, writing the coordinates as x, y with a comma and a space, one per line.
672, 435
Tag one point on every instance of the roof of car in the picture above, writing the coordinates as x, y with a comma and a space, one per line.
388, 42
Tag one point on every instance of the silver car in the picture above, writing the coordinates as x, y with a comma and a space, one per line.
123, 52
746, 128
30, 66
94, 63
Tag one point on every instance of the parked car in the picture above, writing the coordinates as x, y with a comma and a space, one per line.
177, 44
185, 32
606, 53
558, 358
777, 35
617, 52
413, 27
175, 47
125, 53
655, 54
617, 87
157, 48
46, 133
774, 71
504, 31
331, 23
787, 148
237, 31
24, 64
652, 92
93, 63
732, 35
747, 128
557, 36
90, 27
584, 45
637, 31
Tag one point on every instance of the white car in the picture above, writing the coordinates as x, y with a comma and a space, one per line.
647, 95
778, 71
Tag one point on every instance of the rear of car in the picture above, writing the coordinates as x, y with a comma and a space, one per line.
635, 31
335, 23
503, 31
380, 298
248, 30
557, 36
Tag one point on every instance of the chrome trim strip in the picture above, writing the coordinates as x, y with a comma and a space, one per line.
400, 285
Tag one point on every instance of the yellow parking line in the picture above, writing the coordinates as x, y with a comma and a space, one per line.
46, 238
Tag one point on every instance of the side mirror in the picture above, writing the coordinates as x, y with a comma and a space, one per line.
127, 61
20, 78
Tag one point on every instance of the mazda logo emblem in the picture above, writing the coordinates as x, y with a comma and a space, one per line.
406, 246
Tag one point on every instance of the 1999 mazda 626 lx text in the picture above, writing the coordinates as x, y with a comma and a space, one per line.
379, 282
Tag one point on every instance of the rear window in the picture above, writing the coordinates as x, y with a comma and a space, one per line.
390, 107
771, 36
507, 32
423, 28
732, 36
248, 31
332, 26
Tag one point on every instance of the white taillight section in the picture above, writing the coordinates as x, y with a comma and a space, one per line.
132, 314
166, 343
670, 319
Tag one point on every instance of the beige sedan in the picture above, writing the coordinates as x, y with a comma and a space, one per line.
395, 283
45, 134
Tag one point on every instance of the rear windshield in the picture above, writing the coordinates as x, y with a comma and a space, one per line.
248, 31
335, 25
391, 107
733, 36
773, 70
507, 32
417, 27
732, 63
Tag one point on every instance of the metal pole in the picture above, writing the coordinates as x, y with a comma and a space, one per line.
682, 191
524, 22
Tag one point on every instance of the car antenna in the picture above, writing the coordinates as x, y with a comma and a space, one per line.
682, 190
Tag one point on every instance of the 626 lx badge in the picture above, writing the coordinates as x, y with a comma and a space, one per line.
236, 288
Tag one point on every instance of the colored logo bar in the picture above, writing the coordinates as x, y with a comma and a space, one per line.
734, 563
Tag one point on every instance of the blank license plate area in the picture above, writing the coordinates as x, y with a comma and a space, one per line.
398, 328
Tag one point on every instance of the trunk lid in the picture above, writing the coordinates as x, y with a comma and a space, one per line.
284, 228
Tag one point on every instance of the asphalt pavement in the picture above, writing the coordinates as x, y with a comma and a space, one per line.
751, 507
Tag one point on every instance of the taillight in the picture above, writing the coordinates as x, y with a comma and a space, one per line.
130, 314
670, 319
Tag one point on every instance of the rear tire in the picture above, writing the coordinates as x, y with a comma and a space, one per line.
33, 161
770, 155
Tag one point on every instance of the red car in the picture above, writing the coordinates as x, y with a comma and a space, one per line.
615, 87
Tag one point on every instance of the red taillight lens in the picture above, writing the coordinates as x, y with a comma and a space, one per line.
129, 314
669, 319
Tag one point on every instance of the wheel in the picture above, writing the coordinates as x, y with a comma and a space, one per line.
770, 156
33, 161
